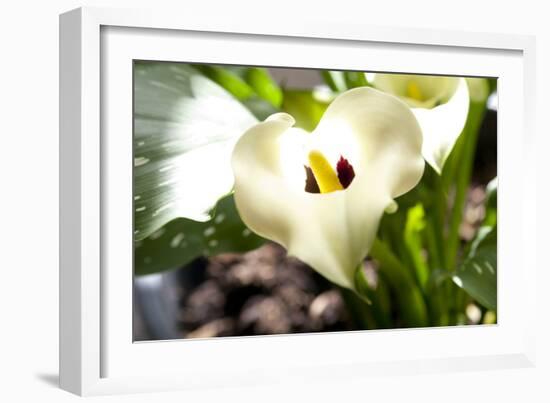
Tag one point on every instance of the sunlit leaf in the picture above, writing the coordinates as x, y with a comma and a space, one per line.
185, 126
336, 80
355, 79
228, 79
253, 86
262, 83
414, 226
182, 240
306, 109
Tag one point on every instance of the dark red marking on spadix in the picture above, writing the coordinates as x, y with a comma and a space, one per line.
345, 172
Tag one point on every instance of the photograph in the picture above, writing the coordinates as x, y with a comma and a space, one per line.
279, 200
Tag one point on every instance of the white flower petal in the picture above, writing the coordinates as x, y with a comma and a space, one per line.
478, 88
430, 90
331, 232
441, 109
442, 125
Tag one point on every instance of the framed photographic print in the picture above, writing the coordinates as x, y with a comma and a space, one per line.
242, 202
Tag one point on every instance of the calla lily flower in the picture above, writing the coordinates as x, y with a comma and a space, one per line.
322, 194
440, 104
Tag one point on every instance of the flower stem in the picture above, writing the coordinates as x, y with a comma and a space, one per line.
411, 303
373, 297
464, 174
360, 312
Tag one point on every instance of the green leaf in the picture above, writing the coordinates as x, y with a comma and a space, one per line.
355, 79
376, 298
253, 86
262, 83
336, 80
411, 304
478, 274
304, 107
461, 165
181, 240
414, 228
485, 236
228, 79
487, 232
185, 126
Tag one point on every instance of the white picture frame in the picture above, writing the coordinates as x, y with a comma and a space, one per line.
97, 353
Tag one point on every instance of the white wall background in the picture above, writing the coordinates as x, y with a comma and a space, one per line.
29, 201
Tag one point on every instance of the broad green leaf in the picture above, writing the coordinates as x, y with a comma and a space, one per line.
260, 80
182, 240
486, 235
185, 126
304, 107
478, 275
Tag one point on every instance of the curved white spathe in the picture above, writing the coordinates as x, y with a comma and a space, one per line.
332, 232
442, 125
418, 91
440, 105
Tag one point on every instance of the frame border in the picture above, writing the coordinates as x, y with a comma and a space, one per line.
80, 166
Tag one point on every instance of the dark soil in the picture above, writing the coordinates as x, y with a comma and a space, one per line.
258, 293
